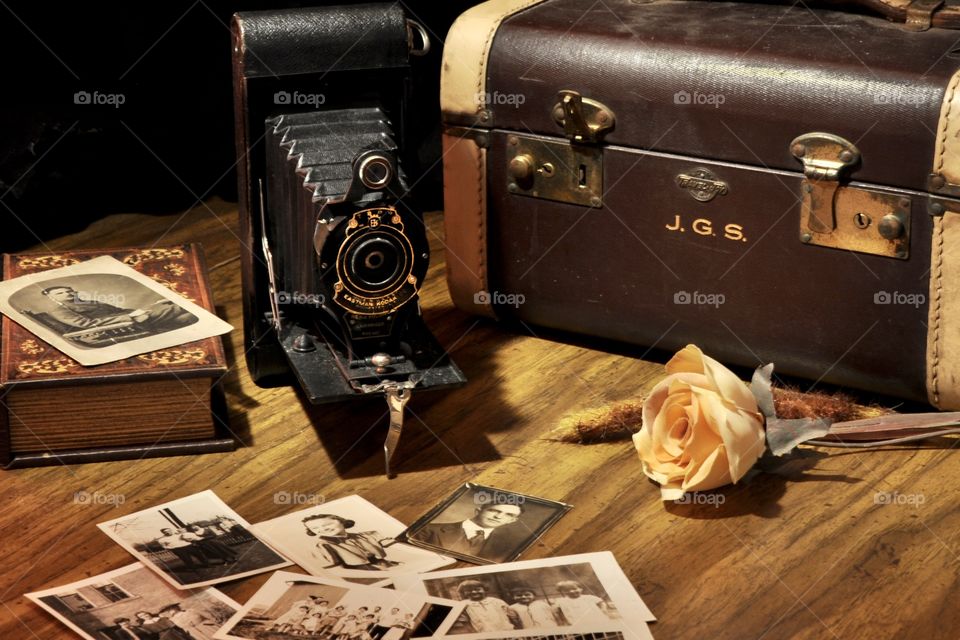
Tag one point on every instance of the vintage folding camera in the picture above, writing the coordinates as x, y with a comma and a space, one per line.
336, 249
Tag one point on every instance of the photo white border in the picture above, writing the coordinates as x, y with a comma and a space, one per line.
36, 596
221, 509
207, 324
274, 588
633, 610
378, 519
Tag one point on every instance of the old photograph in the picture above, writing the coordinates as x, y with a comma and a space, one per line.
348, 538
621, 634
553, 594
101, 310
484, 525
132, 603
194, 541
293, 606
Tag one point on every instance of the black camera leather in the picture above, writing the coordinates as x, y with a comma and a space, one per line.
342, 38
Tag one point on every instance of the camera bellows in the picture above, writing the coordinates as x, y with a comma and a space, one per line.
322, 146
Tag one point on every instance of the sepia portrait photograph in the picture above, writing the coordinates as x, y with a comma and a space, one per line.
485, 525
612, 634
348, 538
101, 311
293, 606
132, 603
194, 541
564, 594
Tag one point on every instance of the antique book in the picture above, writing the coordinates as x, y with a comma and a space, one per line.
165, 402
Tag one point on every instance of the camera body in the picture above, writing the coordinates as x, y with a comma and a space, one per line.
336, 250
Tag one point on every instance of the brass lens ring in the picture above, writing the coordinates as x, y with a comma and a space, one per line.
375, 172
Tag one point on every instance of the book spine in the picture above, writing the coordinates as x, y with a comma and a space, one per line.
4, 412
5, 453
108, 454
199, 258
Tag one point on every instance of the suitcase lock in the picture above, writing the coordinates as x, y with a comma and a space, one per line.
845, 217
568, 170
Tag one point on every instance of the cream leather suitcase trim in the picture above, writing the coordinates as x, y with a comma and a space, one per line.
465, 206
464, 77
946, 160
462, 93
943, 328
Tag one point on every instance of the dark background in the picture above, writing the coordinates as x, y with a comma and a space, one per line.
170, 144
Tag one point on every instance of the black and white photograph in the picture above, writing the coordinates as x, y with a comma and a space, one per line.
293, 606
349, 538
194, 541
569, 593
101, 310
485, 525
579, 635
132, 603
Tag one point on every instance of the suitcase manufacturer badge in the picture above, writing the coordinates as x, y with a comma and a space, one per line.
702, 184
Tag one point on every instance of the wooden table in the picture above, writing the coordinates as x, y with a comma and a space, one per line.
808, 553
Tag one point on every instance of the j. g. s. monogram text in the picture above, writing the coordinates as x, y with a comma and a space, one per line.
706, 227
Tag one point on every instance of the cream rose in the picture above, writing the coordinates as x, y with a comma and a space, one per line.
701, 429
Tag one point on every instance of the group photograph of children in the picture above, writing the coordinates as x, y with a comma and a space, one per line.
293, 606
583, 592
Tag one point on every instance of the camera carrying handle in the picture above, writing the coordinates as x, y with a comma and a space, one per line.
287, 42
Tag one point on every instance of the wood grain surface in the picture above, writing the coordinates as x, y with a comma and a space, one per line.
862, 544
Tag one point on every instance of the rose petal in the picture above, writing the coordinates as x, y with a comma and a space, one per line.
741, 433
687, 360
729, 386
652, 468
665, 474
653, 402
748, 451
672, 417
704, 442
713, 473
671, 491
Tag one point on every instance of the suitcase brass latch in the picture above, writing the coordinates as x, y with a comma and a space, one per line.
844, 217
583, 120
825, 157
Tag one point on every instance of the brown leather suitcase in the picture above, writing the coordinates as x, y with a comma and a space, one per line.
772, 182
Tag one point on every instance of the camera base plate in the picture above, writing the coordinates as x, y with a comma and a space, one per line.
322, 380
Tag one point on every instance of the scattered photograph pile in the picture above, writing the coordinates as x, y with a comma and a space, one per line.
363, 581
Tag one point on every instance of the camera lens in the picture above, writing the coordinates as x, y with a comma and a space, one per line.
377, 265
376, 262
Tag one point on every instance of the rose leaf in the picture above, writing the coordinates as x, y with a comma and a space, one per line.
784, 435
760, 387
